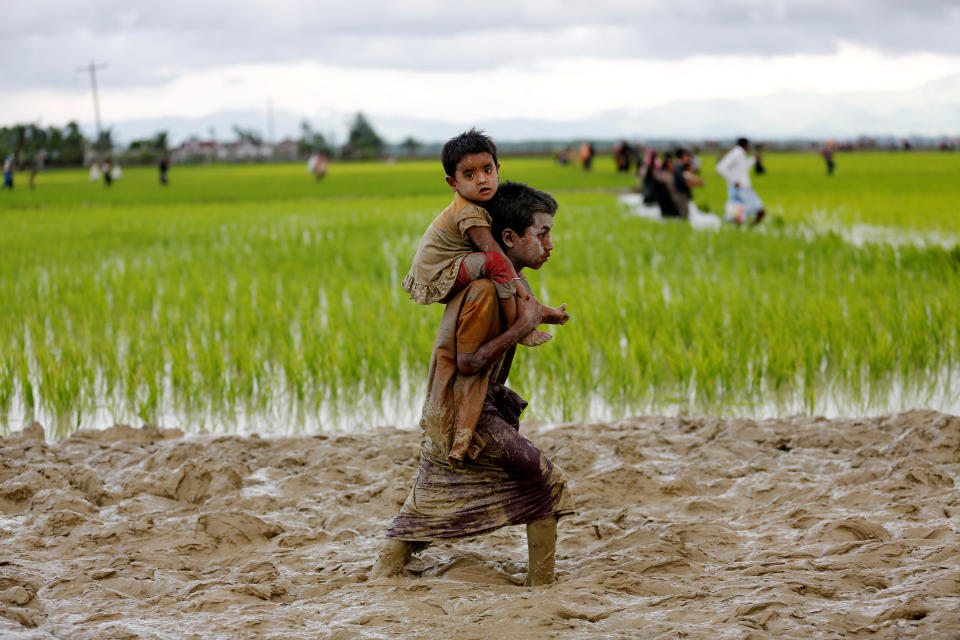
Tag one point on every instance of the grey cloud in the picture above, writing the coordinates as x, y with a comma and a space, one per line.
929, 110
144, 42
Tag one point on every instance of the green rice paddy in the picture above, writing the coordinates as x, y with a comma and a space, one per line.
252, 295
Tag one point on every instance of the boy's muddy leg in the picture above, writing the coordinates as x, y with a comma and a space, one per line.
542, 547
393, 557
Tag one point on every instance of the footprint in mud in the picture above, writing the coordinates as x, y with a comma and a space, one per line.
913, 609
465, 568
921, 472
851, 530
236, 528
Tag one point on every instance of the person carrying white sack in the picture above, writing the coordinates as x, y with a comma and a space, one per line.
743, 203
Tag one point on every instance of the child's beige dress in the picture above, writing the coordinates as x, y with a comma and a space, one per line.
443, 247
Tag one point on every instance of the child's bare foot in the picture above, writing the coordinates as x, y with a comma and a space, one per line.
535, 338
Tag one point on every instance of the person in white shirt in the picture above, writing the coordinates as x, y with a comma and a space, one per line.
743, 203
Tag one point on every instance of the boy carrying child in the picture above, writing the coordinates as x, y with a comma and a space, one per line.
476, 471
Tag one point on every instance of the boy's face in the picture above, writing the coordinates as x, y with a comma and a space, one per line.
532, 249
476, 177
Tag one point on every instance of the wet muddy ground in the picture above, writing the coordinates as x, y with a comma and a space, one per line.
686, 527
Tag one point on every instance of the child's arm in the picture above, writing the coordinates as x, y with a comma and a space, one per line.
483, 240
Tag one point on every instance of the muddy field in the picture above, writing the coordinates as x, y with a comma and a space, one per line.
686, 528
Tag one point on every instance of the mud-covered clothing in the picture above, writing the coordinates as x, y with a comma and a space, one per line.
484, 264
442, 248
477, 473
510, 482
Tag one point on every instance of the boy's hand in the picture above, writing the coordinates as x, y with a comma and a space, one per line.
556, 316
529, 313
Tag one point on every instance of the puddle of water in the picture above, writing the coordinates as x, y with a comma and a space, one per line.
820, 222
402, 410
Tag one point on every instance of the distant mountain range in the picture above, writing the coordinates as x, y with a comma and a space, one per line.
931, 110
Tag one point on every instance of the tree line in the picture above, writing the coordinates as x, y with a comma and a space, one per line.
31, 144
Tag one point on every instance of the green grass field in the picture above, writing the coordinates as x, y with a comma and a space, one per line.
251, 290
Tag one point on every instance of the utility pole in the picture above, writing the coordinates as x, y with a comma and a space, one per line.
92, 68
269, 121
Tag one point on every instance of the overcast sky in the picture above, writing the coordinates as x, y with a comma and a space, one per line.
452, 61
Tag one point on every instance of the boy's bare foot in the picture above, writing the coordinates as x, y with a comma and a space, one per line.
535, 338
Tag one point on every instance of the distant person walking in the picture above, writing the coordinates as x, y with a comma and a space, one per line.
586, 154
645, 173
743, 203
664, 188
107, 170
827, 153
164, 167
8, 173
37, 162
622, 154
317, 165
320, 168
684, 178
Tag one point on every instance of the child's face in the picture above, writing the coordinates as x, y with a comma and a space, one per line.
476, 177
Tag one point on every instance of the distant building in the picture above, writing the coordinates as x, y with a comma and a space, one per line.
243, 151
286, 150
195, 150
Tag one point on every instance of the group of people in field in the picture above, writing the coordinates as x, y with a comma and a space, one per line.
667, 180
35, 162
477, 473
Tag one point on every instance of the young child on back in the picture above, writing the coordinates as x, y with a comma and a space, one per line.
458, 246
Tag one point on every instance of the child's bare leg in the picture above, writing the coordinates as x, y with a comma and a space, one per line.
533, 339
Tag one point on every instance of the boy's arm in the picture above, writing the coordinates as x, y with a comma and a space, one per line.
528, 317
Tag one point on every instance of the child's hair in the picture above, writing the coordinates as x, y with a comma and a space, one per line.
473, 141
514, 206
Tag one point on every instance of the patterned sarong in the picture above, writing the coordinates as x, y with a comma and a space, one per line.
510, 482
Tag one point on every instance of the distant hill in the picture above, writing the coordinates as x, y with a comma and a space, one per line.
931, 110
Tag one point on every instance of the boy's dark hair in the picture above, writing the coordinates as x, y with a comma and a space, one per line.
742, 142
514, 206
473, 141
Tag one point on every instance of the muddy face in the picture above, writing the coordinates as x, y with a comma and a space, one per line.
533, 248
476, 177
